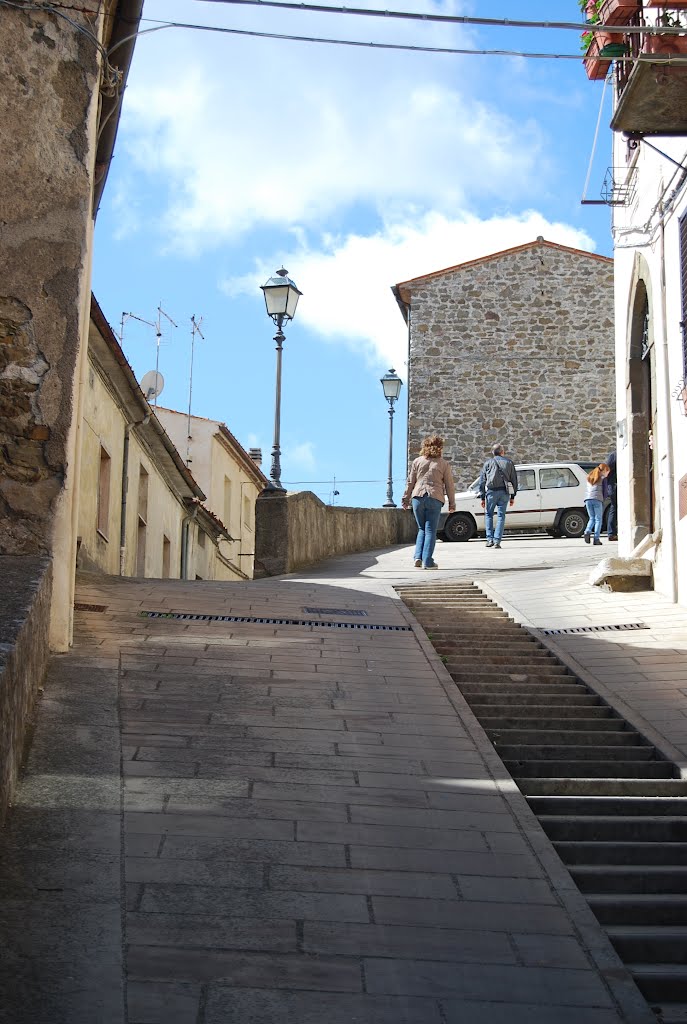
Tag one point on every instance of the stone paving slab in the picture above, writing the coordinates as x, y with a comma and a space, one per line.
314, 827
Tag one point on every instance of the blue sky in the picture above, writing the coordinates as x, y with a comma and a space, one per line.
356, 169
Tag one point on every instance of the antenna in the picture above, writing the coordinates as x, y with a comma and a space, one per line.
132, 316
158, 334
195, 329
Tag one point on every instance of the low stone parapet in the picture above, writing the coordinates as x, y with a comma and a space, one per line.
25, 587
297, 530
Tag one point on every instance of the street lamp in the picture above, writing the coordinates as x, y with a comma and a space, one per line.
281, 299
391, 385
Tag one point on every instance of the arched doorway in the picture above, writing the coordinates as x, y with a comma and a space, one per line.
642, 410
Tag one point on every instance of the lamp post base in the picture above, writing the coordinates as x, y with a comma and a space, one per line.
389, 504
273, 491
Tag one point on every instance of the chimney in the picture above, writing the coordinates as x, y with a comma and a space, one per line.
256, 455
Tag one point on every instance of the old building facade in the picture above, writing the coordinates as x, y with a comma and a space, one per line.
230, 478
514, 347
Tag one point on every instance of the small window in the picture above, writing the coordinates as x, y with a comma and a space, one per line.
247, 513
103, 512
142, 494
558, 476
201, 538
227, 502
526, 480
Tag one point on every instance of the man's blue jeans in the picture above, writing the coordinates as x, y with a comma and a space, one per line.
595, 512
496, 501
426, 511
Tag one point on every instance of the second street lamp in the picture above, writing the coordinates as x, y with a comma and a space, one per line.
281, 299
391, 385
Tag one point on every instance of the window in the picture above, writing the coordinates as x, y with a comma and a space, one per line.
141, 528
558, 476
142, 494
527, 480
247, 513
166, 556
103, 510
201, 538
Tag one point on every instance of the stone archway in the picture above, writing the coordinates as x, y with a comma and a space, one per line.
641, 387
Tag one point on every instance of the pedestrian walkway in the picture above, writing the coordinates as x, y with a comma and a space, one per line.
270, 820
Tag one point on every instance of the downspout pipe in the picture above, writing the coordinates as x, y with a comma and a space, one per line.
669, 504
125, 487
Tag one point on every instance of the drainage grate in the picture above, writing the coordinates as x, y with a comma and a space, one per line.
188, 617
335, 611
79, 606
594, 629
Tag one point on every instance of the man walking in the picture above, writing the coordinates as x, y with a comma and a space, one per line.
498, 485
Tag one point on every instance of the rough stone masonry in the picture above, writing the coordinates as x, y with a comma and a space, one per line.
515, 347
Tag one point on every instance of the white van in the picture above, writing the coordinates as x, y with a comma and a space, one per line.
550, 497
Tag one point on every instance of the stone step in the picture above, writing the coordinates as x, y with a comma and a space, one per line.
649, 909
611, 828
660, 981
569, 737
628, 879
621, 853
599, 717
650, 944
486, 674
533, 700
514, 686
607, 806
579, 753
602, 787
590, 769
535, 659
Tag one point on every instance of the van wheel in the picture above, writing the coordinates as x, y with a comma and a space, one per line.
572, 522
460, 526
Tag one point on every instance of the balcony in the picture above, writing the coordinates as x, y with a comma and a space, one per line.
651, 87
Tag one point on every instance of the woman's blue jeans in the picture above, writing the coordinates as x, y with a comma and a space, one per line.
595, 512
426, 511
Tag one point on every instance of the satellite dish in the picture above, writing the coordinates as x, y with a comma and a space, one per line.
152, 384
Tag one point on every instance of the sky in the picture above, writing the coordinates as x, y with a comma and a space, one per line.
353, 167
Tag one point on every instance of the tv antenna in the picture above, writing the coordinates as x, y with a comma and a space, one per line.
158, 336
152, 384
195, 329
131, 316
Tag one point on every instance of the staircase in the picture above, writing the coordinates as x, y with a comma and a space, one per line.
612, 805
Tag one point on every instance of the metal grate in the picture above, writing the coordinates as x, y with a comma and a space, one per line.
79, 606
334, 611
188, 617
595, 629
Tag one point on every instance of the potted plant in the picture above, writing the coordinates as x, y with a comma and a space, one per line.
617, 12
668, 44
599, 47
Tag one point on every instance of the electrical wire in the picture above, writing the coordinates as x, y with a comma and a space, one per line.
455, 19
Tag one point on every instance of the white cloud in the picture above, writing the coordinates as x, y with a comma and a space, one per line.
298, 456
248, 133
346, 282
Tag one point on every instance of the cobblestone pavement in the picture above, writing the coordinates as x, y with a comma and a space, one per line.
274, 822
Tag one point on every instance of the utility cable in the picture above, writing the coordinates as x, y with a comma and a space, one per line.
457, 19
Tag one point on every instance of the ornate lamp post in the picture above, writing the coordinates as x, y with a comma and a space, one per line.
281, 299
391, 385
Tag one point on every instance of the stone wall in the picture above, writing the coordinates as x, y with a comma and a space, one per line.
24, 624
517, 348
298, 530
48, 78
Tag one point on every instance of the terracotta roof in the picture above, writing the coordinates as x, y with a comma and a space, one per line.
402, 291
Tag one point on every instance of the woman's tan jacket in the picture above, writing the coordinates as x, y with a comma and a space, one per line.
430, 476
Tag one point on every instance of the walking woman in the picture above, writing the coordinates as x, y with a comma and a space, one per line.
594, 502
430, 477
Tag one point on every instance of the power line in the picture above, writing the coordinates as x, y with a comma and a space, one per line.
456, 19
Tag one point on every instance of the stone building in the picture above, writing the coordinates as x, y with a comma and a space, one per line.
514, 347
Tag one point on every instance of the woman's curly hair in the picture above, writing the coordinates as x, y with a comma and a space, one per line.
432, 446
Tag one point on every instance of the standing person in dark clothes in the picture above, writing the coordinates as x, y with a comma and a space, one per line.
612, 490
498, 485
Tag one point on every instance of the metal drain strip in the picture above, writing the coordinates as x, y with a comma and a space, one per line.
594, 629
189, 617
